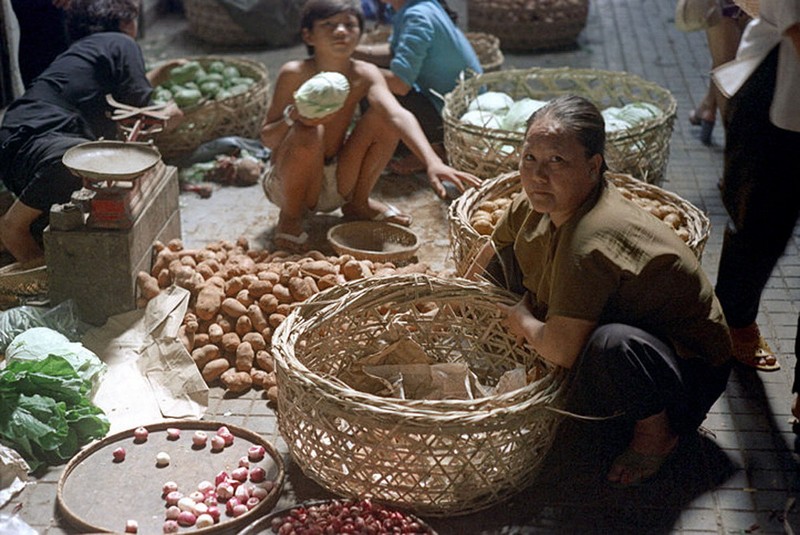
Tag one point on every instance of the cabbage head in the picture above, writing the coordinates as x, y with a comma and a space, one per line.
491, 101
614, 123
484, 119
636, 112
321, 95
516, 120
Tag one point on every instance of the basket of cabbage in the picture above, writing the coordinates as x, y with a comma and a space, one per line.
485, 115
219, 96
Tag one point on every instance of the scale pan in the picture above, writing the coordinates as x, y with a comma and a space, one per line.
111, 160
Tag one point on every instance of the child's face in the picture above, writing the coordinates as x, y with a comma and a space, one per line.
339, 33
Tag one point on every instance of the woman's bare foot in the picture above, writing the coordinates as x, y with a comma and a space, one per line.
653, 441
289, 234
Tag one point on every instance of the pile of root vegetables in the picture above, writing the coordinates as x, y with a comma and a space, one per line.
240, 295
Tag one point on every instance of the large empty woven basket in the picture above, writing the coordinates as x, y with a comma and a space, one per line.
435, 457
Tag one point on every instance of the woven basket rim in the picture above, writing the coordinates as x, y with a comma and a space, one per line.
407, 250
750, 7
24, 278
460, 210
474, 79
338, 299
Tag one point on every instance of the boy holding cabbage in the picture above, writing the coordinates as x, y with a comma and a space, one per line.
323, 156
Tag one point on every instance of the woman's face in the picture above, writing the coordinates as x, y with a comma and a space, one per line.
556, 174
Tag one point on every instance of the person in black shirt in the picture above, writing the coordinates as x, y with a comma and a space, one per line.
66, 106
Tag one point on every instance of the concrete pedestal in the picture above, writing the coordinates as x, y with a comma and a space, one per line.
97, 267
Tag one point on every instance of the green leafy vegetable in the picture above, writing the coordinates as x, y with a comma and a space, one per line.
322, 94
45, 411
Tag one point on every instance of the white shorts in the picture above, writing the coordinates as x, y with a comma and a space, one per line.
329, 197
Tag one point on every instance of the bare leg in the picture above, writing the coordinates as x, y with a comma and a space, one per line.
299, 163
361, 161
15, 232
653, 440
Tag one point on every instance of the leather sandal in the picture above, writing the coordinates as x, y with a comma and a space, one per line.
752, 350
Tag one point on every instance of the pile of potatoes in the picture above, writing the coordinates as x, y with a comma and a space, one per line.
488, 212
239, 296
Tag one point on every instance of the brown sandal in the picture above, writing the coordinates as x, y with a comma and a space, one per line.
750, 349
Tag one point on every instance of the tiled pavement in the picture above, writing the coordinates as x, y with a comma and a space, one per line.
738, 476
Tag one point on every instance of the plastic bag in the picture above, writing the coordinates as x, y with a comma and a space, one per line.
62, 318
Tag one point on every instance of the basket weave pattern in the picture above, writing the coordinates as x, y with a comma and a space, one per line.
641, 150
211, 22
485, 45
239, 115
435, 457
529, 24
465, 241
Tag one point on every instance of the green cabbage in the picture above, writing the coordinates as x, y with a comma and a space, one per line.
321, 95
484, 119
492, 101
518, 114
636, 112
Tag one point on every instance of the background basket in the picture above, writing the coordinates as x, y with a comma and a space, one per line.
373, 240
486, 45
435, 457
641, 150
465, 241
211, 22
529, 24
28, 279
239, 115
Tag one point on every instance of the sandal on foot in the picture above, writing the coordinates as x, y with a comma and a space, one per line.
392, 214
642, 466
706, 129
750, 349
290, 242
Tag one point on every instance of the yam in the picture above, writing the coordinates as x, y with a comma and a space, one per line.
243, 325
299, 289
232, 307
257, 318
327, 281
213, 369
276, 319
244, 298
215, 333
268, 303
283, 293
209, 300
265, 360
258, 377
244, 357
272, 394
233, 286
148, 285
236, 381
255, 339
230, 341
203, 355
259, 287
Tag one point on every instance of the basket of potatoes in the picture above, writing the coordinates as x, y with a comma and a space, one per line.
473, 216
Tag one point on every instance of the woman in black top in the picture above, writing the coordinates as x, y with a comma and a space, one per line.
64, 107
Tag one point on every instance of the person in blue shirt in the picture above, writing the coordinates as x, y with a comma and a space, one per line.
421, 63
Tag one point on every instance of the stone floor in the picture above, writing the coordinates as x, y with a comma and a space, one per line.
739, 475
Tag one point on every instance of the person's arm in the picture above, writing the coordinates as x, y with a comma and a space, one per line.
281, 113
412, 135
378, 54
559, 340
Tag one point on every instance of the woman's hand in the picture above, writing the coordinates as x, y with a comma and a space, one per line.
520, 320
440, 172
174, 116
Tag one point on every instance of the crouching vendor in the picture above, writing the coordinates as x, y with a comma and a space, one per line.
608, 290
66, 106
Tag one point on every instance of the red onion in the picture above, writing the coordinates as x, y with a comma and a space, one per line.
258, 474
230, 504
173, 433
224, 491
204, 521
217, 443
214, 512
226, 434
131, 526
239, 510
173, 497
199, 439
221, 477
186, 504
140, 434
169, 486
162, 458
241, 493
172, 512
205, 487
252, 502
240, 474
256, 453
171, 526
119, 455
186, 518
244, 462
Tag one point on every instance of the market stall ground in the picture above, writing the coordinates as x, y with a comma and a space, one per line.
739, 476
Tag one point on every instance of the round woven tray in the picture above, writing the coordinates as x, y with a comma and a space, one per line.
211, 22
374, 240
529, 24
466, 241
434, 457
641, 150
24, 279
486, 45
240, 115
